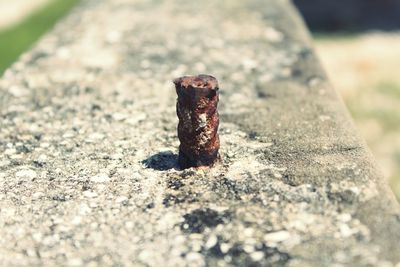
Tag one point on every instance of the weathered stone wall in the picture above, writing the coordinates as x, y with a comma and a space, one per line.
88, 146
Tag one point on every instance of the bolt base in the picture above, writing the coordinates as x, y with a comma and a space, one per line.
205, 160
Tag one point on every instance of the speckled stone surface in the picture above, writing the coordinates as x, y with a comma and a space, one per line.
88, 146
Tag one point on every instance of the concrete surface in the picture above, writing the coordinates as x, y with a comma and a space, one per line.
88, 144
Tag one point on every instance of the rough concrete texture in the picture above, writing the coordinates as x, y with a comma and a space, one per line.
88, 171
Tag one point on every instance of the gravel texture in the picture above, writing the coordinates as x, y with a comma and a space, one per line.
88, 146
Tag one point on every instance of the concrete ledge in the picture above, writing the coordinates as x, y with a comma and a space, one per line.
88, 145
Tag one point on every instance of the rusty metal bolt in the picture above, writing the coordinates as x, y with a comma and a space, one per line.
198, 120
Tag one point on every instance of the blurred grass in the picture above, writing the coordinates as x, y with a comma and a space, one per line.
337, 36
390, 88
19, 38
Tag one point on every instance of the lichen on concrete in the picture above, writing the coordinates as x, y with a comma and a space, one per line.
88, 146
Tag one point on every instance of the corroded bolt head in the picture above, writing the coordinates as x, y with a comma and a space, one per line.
198, 120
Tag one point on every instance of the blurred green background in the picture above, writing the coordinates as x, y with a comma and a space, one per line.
362, 66
16, 39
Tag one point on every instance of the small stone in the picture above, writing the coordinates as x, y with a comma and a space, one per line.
129, 224
225, 247
135, 119
195, 259
37, 195
17, 91
249, 64
31, 252
77, 220
26, 174
68, 135
84, 209
277, 237
10, 151
44, 145
90, 194
145, 256
344, 217
4, 163
248, 248
95, 137
212, 241
121, 199
248, 232
314, 81
273, 35
117, 156
119, 116
42, 159
37, 236
100, 178
324, 118
257, 256
345, 230
75, 262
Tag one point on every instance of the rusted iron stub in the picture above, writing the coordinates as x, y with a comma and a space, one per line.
198, 120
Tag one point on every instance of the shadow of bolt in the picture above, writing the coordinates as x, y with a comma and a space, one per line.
162, 161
